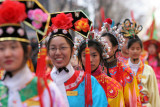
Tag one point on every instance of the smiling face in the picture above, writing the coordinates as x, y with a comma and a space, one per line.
135, 50
11, 55
94, 58
59, 52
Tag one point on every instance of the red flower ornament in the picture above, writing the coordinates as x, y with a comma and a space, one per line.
12, 12
82, 25
62, 21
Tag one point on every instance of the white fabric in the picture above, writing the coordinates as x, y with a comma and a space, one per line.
16, 83
134, 67
61, 78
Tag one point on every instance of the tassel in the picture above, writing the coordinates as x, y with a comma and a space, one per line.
41, 74
88, 86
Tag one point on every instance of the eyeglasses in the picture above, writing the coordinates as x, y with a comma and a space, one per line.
53, 49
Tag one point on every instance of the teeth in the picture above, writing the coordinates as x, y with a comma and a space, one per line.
59, 59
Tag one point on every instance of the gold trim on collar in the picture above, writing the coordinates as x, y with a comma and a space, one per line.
14, 38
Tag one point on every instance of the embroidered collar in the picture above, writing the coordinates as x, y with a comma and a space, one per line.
97, 72
134, 67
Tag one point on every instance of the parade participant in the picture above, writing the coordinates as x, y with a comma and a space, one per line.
152, 46
60, 46
145, 75
18, 87
112, 88
116, 69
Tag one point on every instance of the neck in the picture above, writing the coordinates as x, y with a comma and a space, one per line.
18, 70
126, 55
110, 58
135, 61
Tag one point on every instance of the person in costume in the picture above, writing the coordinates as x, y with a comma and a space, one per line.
19, 86
112, 88
145, 75
116, 69
60, 46
124, 55
153, 48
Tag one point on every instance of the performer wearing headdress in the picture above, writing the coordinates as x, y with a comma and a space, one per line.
112, 88
145, 75
79, 88
116, 69
19, 86
152, 46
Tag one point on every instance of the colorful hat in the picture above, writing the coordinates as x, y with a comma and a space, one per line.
106, 28
61, 22
151, 41
37, 16
11, 14
130, 29
92, 36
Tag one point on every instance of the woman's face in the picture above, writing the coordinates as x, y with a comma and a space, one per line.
152, 49
11, 55
135, 51
94, 58
112, 49
59, 52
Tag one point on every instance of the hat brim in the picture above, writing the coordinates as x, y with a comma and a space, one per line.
152, 41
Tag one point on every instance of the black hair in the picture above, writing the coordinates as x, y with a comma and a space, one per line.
91, 43
133, 40
112, 39
25, 49
68, 41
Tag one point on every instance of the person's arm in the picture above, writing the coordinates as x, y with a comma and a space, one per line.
153, 89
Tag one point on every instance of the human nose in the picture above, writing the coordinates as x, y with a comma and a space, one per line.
7, 52
57, 51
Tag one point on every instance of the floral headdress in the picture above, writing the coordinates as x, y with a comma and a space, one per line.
92, 36
12, 13
106, 28
62, 22
130, 29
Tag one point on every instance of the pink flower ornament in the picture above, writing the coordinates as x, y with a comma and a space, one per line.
38, 17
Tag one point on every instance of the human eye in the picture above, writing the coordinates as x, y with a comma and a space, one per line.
2, 48
14, 46
94, 55
53, 48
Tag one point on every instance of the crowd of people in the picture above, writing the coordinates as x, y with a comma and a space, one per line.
95, 69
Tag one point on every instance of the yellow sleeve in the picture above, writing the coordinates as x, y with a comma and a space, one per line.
154, 99
131, 94
118, 101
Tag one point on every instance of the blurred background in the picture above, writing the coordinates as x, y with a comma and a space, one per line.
145, 12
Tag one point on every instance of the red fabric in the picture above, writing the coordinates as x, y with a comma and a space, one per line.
12, 12
132, 15
110, 85
102, 14
88, 86
73, 80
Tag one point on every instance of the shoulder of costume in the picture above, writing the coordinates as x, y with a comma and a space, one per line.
74, 81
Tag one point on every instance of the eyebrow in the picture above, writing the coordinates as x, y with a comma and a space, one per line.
58, 45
